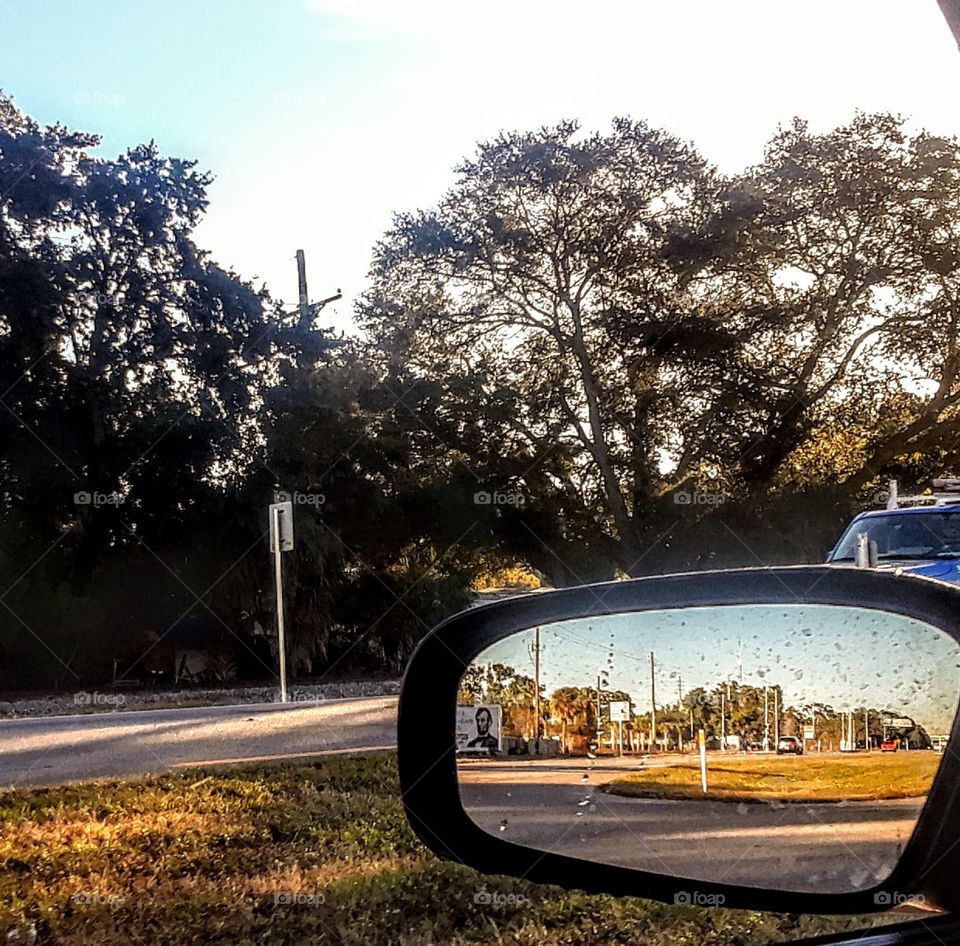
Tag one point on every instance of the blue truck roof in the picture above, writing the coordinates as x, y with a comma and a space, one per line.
908, 511
943, 570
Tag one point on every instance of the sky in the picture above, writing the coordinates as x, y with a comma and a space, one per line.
844, 657
320, 119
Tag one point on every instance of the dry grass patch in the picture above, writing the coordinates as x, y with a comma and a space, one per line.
866, 777
210, 857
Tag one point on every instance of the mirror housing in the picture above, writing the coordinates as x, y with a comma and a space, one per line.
427, 733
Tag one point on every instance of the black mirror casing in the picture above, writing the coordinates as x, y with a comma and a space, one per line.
929, 865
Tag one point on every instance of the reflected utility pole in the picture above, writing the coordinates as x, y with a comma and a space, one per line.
653, 704
680, 710
536, 691
776, 717
723, 721
599, 730
766, 718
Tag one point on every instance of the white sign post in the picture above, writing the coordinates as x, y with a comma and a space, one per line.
281, 540
620, 714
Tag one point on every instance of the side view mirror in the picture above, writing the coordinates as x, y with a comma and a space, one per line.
777, 739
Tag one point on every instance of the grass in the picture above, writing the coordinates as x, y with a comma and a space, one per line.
295, 853
809, 778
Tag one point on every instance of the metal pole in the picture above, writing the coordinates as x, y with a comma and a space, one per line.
723, 722
536, 687
766, 718
866, 729
599, 725
653, 703
776, 717
278, 576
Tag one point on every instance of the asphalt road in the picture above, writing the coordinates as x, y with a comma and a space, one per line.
52, 750
558, 807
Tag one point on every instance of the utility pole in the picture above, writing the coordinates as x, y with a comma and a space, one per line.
599, 730
536, 690
723, 721
766, 718
776, 717
305, 308
653, 703
866, 729
304, 297
680, 707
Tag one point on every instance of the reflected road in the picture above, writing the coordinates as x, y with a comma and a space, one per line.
559, 807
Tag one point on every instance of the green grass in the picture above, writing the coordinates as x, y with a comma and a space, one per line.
200, 858
788, 778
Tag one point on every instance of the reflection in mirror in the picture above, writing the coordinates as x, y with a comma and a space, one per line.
787, 747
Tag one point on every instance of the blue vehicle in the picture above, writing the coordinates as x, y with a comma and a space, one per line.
915, 534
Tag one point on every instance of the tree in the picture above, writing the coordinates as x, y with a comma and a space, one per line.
574, 709
521, 278
621, 324
835, 262
132, 370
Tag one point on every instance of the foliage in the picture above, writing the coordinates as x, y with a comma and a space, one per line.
594, 357
642, 329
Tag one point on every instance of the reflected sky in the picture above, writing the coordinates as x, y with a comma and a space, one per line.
844, 657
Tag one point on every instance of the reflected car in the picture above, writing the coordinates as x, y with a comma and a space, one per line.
789, 745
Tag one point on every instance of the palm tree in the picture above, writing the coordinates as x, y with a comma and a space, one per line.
575, 708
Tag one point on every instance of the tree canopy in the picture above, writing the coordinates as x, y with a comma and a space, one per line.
594, 356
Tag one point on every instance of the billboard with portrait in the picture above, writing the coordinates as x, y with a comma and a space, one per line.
478, 728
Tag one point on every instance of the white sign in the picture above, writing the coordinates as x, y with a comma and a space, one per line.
620, 711
808, 732
478, 727
281, 517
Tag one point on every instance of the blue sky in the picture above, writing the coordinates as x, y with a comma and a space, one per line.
320, 118
844, 657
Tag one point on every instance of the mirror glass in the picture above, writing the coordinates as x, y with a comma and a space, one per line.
786, 747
